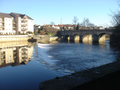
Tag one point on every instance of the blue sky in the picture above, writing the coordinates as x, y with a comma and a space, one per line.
46, 11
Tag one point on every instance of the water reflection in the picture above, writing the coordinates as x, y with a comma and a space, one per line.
15, 53
87, 42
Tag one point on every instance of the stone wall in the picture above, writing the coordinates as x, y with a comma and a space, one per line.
42, 38
14, 38
53, 38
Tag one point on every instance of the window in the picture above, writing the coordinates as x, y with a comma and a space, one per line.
2, 61
10, 60
10, 55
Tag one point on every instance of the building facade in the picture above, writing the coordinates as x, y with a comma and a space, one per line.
15, 55
15, 23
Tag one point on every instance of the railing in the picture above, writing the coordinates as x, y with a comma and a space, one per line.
14, 26
23, 25
24, 21
1, 21
1, 26
14, 22
23, 29
24, 57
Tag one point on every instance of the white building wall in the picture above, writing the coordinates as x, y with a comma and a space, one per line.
30, 25
7, 25
19, 24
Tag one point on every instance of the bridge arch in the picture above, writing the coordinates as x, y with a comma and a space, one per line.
87, 37
102, 37
76, 37
67, 37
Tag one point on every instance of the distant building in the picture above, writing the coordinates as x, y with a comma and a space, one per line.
66, 26
36, 27
15, 23
101, 28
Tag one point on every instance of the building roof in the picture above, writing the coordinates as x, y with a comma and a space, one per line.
5, 15
21, 15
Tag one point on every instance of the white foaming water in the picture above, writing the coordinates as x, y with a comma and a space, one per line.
42, 53
47, 59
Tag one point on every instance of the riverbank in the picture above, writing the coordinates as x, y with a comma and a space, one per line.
100, 78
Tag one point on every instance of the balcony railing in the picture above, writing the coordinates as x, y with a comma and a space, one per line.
14, 26
14, 56
3, 57
1, 21
1, 26
24, 57
23, 25
23, 29
14, 22
23, 20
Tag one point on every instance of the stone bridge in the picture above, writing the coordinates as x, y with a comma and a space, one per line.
85, 35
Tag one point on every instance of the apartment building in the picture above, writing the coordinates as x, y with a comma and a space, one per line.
15, 23
6, 25
15, 55
23, 54
6, 56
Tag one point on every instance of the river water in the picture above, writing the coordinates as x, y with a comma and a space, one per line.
47, 61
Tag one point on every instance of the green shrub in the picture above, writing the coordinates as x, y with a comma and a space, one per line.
51, 34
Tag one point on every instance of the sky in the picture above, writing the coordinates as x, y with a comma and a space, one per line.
46, 11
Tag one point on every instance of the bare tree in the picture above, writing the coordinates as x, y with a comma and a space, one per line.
52, 23
75, 22
115, 37
85, 22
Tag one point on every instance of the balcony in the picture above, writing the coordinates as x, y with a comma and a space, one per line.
23, 29
1, 21
23, 20
2, 52
14, 22
24, 48
23, 25
14, 52
14, 56
2, 61
24, 57
24, 53
14, 26
3, 57
1, 26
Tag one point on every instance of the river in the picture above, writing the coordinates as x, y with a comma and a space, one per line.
47, 61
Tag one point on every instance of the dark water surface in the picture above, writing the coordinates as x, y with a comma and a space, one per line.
47, 61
